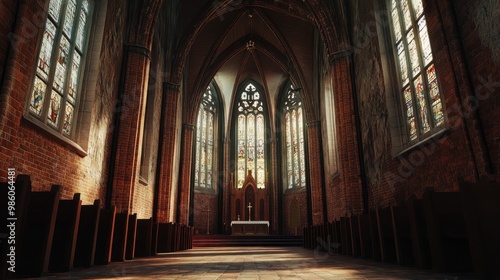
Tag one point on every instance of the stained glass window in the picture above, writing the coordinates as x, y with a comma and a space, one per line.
54, 97
295, 166
421, 97
250, 129
204, 157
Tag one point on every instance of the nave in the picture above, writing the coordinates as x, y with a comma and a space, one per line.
252, 263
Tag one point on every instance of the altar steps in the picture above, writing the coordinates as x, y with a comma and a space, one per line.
257, 240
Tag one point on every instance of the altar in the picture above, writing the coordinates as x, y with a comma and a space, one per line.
249, 228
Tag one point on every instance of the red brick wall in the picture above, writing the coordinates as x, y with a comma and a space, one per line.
30, 149
393, 177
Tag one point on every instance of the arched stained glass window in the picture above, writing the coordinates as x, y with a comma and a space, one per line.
422, 103
250, 129
204, 157
54, 97
295, 167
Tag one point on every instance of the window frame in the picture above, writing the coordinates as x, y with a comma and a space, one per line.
235, 116
302, 146
41, 121
434, 128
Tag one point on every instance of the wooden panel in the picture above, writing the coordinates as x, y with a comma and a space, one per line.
34, 253
131, 236
481, 205
105, 233
120, 237
65, 235
87, 235
375, 238
386, 235
143, 238
447, 234
345, 231
402, 235
365, 236
22, 189
355, 236
419, 234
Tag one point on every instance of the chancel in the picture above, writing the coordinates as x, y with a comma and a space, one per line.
357, 129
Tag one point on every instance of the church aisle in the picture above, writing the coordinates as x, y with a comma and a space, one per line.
252, 263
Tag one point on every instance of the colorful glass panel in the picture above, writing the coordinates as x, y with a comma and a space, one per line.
68, 119
402, 63
412, 48
70, 17
251, 143
45, 55
260, 152
424, 40
437, 107
418, 8
74, 78
62, 61
210, 147
203, 151
54, 109
295, 144
80, 34
395, 21
302, 160
289, 166
198, 146
422, 104
241, 150
55, 9
406, 14
37, 97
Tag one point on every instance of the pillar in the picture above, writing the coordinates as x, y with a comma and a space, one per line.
130, 121
316, 180
184, 201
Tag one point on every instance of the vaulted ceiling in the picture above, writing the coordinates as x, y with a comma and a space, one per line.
283, 33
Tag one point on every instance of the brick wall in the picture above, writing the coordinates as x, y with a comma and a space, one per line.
392, 176
203, 202
30, 149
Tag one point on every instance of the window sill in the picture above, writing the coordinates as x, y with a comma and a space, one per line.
61, 140
432, 137
205, 190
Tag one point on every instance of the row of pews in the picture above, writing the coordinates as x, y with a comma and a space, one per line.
445, 231
55, 235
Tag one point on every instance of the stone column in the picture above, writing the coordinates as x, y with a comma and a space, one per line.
131, 114
171, 106
183, 206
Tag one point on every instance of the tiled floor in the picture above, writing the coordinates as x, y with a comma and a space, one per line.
252, 263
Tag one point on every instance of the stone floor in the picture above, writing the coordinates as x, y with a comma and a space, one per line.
252, 263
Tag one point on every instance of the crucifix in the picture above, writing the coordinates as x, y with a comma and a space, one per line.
208, 219
249, 211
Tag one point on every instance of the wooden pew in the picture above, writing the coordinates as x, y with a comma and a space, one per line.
22, 189
419, 234
447, 233
154, 239
34, 253
375, 237
386, 235
337, 239
65, 234
105, 233
131, 236
481, 206
170, 237
402, 235
119, 247
162, 245
355, 236
345, 231
365, 236
143, 238
87, 235
191, 234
